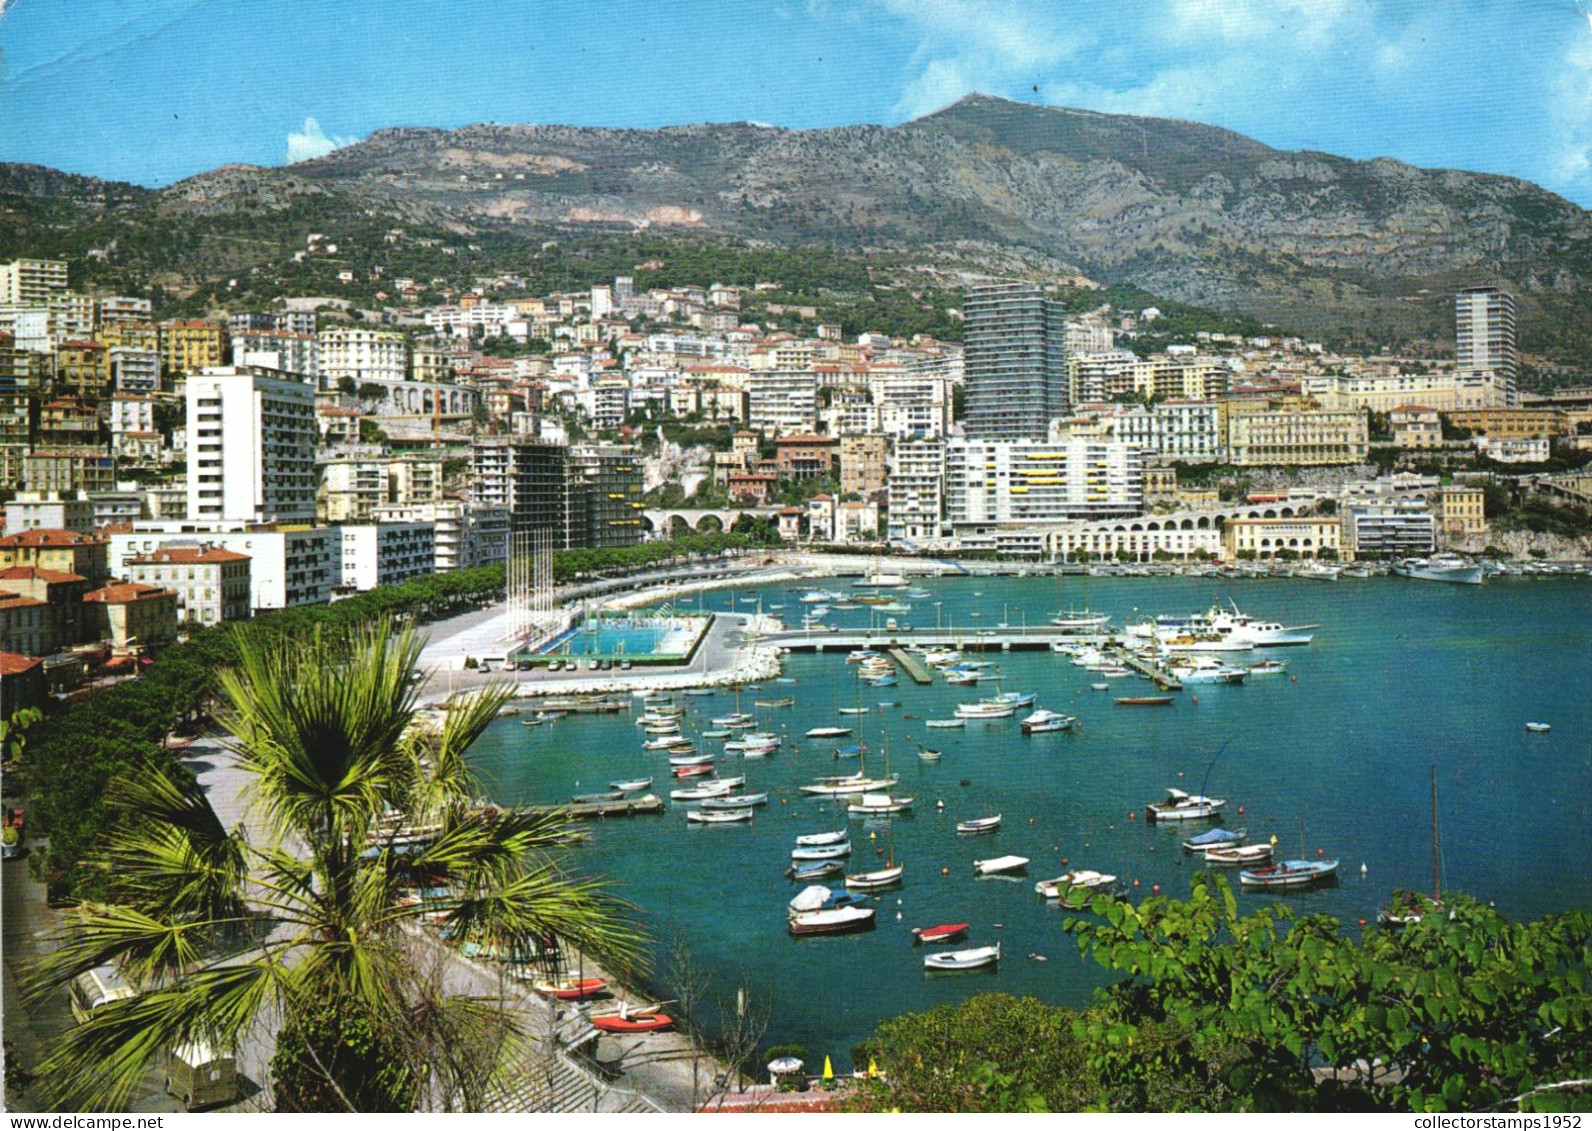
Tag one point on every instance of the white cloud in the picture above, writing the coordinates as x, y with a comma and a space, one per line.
1570, 147
312, 142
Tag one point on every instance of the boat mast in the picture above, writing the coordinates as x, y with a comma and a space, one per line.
1436, 889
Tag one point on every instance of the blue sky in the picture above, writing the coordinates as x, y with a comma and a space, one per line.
155, 90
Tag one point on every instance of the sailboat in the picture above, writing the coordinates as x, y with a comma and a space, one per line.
1407, 907
874, 804
1080, 620
738, 720
1290, 873
880, 877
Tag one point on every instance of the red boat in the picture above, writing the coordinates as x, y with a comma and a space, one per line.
571, 989
635, 1023
693, 771
945, 932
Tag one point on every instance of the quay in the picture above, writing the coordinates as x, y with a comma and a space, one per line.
626, 807
1148, 670
914, 667
1034, 638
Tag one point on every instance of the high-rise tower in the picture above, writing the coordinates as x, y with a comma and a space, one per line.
1015, 357
1484, 340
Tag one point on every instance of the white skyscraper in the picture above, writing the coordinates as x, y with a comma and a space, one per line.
251, 446
1484, 341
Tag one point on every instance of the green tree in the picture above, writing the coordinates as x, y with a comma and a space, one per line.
323, 726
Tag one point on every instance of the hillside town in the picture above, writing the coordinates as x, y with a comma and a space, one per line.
189, 472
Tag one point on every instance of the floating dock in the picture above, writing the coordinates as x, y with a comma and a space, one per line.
626, 807
1148, 671
915, 667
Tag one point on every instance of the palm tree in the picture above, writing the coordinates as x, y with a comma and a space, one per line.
314, 934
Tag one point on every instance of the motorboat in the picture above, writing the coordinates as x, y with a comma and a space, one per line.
1100, 687
701, 771
945, 724
927, 755
972, 959
828, 732
1012, 698
1180, 806
873, 804
1043, 721
1206, 669
786, 702
1538, 728
961, 678
979, 825
715, 734
665, 743
998, 864
814, 840
1215, 838
735, 801
984, 709
814, 870
633, 785
690, 759
848, 752
736, 721
698, 792
940, 933
879, 878
726, 817
1290, 873
817, 897
835, 921
853, 711
1269, 667
1441, 567
1239, 854
1068, 884
821, 851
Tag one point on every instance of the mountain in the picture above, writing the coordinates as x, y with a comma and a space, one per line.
1187, 211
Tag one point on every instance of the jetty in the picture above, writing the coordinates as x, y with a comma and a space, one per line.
624, 807
1148, 670
914, 667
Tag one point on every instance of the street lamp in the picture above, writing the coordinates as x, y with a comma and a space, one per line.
937, 605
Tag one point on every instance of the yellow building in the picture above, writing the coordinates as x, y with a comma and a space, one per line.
1416, 426
1267, 537
188, 347
1297, 439
83, 368
64, 551
133, 615
131, 335
1511, 423
1460, 511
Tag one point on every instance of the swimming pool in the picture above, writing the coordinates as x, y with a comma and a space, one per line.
641, 637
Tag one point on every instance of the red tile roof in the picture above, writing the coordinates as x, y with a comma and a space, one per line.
10, 600
187, 555
15, 663
34, 573
46, 537
126, 592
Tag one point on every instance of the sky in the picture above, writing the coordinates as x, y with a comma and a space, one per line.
152, 91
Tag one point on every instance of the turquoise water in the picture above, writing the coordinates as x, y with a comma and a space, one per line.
604, 638
1401, 675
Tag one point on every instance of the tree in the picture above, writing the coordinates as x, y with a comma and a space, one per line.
323, 726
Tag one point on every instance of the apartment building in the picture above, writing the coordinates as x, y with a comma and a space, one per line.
251, 447
604, 502
188, 347
781, 402
353, 489
1459, 512
362, 355
386, 553
32, 282
1269, 537
1486, 361
279, 349
464, 536
1390, 528
1023, 483
132, 615
289, 565
916, 487
134, 370
864, 464
82, 368
212, 584
68, 470
1015, 356
1297, 439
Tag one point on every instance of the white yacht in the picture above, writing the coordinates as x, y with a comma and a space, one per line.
1441, 567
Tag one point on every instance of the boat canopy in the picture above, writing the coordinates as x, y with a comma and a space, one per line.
811, 898
1215, 836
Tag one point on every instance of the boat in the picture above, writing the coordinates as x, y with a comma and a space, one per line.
701, 771
879, 878
787, 702
1215, 838
819, 898
941, 933
736, 721
848, 752
945, 724
835, 921
1206, 669
662, 743
1237, 854
845, 787
1080, 620
813, 840
1440, 567
998, 864
1407, 907
1043, 721
1144, 701
532, 722
697, 793
1269, 667
1538, 728
1222, 630
928, 755
589, 798
715, 734
633, 785
979, 825
815, 870
874, 804
735, 801
700, 692
726, 817
632, 1023
1290, 873
828, 732
1180, 806
984, 709
973, 959
961, 677
853, 711
821, 851
1066, 885
571, 989
1100, 687
690, 759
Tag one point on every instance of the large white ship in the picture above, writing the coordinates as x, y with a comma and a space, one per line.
1442, 567
1231, 627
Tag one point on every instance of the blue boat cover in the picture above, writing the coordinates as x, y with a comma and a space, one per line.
1214, 836
849, 750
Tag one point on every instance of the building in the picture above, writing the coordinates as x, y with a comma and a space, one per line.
1015, 356
1273, 537
1513, 423
62, 551
804, 456
251, 447
1513, 449
1297, 439
857, 521
53, 511
782, 402
62, 597
82, 369
192, 346
1390, 528
605, 487
212, 584
134, 370
278, 349
124, 308
289, 565
528, 478
353, 490
362, 355
131, 615
1459, 512
864, 464
916, 487
1174, 430
1416, 426
386, 553
22, 680
991, 484
465, 536
1486, 362
68, 471
32, 282
24, 625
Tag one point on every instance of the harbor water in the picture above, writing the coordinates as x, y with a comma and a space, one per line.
1401, 675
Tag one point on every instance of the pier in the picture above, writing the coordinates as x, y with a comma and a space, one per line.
1148, 670
914, 667
1033, 638
626, 807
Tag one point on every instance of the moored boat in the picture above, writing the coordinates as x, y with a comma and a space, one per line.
971, 959
1180, 806
1290, 873
1538, 728
945, 724
814, 870
838, 920
571, 989
735, 801
940, 933
979, 825
998, 864
814, 840
1081, 880
821, 851
1144, 701
719, 817
878, 878
1043, 721
828, 732
879, 803
1215, 838
1239, 854
633, 785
